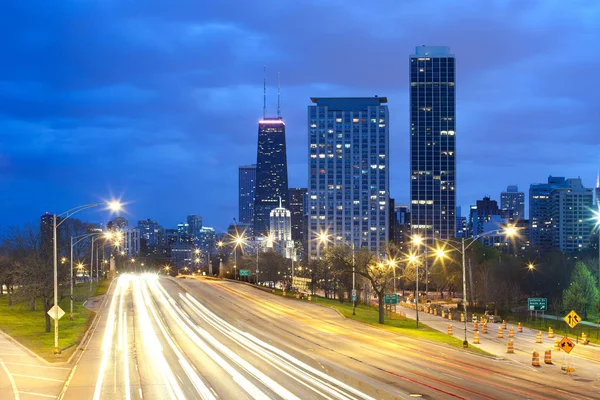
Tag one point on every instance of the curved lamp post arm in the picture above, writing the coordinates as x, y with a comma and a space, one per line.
65, 215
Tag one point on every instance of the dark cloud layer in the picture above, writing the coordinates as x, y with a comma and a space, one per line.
159, 101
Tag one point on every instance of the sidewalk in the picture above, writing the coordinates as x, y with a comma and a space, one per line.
585, 359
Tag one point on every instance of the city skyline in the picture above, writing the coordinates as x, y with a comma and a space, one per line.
158, 130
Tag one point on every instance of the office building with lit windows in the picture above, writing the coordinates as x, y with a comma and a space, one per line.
246, 190
271, 172
512, 203
432, 142
348, 189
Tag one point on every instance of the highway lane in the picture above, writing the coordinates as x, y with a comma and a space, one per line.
368, 356
154, 342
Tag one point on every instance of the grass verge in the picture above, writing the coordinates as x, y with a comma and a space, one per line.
28, 327
398, 324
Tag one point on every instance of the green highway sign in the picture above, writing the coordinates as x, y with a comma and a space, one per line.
244, 272
537, 304
390, 299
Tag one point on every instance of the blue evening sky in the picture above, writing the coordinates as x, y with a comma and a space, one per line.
158, 101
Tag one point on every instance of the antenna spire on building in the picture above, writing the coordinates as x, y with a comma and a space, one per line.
278, 97
598, 179
279, 201
264, 92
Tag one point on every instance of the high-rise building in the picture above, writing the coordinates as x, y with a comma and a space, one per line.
348, 172
540, 212
401, 236
512, 203
572, 216
433, 142
482, 213
247, 187
194, 224
206, 239
280, 231
296, 207
271, 172
149, 234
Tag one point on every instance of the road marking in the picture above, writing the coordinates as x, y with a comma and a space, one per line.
38, 377
36, 366
12, 381
38, 394
9, 348
140, 390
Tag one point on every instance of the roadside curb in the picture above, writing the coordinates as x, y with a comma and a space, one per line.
27, 350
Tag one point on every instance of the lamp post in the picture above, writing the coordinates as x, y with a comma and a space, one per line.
440, 253
80, 238
114, 205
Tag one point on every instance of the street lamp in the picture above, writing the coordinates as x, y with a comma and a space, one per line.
441, 253
112, 205
107, 235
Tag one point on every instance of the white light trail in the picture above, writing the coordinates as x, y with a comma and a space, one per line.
244, 383
284, 360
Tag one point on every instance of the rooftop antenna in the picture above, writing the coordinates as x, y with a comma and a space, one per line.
278, 97
265, 92
279, 201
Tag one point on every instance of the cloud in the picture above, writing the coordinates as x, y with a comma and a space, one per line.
161, 103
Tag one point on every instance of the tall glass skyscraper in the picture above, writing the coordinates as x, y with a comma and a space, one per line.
432, 142
271, 172
247, 187
348, 172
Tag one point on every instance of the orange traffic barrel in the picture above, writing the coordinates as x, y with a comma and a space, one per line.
556, 344
475, 326
500, 332
476, 337
462, 317
511, 332
510, 347
538, 337
484, 328
450, 329
584, 339
520, 328
548, 357
550, 333
535, 359
503, 324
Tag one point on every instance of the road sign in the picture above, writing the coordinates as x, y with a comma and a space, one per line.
56, 312
537, 304
572, 319
566, 345
244, 272
390, 299
353, 295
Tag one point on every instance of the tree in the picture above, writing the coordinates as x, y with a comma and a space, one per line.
582, 294
379, 274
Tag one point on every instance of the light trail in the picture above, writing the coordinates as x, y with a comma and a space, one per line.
285, 361
201, 388
108, 338
280, 390
152, 343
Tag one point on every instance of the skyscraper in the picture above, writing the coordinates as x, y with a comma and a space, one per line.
572, 216
246, 186
540, 211
432, 142
271, 172
296, 208
512, 203
348, 172
194, 223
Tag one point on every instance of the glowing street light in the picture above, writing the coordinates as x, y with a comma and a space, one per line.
112, 205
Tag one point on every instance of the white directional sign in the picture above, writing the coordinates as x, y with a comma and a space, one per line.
56, 312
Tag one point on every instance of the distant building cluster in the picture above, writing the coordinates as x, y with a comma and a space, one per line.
347, 198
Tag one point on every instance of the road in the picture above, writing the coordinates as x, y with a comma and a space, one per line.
207, 339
